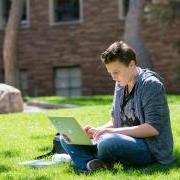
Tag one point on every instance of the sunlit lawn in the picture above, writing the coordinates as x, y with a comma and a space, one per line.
26, 135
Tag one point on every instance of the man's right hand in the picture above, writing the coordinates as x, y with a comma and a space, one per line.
90, 131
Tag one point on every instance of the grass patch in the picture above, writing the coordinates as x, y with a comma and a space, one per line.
81, 100
24, 136
88, 100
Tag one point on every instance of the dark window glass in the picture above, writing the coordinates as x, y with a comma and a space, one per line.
66, 10
6, 10
126, 7
2, 76
68, 81
24, 82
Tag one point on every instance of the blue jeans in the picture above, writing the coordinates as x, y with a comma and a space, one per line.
111, 148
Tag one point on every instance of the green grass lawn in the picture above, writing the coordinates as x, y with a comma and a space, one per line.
26, 135
87, 100
81, 101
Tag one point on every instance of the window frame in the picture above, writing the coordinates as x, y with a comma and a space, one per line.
22, 72
24, 24
52, 18
121, 10
69, 88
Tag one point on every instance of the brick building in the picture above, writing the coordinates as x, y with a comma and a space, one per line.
60, 43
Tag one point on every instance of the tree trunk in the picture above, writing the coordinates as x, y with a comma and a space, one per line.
10, 43
132, 34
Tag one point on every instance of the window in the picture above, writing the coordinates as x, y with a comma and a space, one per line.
2, 76
65, 11
68, 81
123, 8
5, 6
24, 82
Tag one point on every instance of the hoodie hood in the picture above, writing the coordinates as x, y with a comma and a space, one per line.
145, 74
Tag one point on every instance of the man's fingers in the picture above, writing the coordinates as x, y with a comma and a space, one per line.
86, 128
98, 134
91, 130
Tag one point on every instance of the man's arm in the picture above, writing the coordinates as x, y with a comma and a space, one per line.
90, 130
140, 131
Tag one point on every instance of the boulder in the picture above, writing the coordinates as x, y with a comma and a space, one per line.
10, 99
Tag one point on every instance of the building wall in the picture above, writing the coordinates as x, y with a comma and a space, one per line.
43, 47
161, 42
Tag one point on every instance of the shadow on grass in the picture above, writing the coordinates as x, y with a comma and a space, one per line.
9, 154
88, 100
44, 148
141, 170
42, 178
152, 169
36, 137
81, 100
4, 168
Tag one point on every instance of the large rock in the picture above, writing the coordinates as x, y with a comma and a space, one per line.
10, 99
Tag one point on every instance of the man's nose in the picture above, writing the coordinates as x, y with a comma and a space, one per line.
114, 77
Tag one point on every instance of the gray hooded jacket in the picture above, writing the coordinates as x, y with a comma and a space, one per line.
150, 107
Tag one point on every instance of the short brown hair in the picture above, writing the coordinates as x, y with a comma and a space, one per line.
119, 51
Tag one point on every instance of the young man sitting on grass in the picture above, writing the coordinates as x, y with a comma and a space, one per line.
140, 131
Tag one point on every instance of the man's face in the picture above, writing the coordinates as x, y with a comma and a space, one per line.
120, 72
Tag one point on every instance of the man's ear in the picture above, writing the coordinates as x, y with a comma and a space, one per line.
132, 63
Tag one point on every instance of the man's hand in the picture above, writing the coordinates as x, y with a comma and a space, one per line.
90, 131
102, 131
140, 131
86, 129
95, 133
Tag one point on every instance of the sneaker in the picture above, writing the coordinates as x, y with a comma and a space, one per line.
96, 164
61, 158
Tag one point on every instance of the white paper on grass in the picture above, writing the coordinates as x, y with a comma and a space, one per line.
56, 158
37, 163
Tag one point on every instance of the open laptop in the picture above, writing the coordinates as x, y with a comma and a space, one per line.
71, 130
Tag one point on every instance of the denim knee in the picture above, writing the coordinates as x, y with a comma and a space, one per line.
105, 147
126, 149
112, 146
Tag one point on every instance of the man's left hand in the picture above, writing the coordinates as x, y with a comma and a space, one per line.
102, 131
